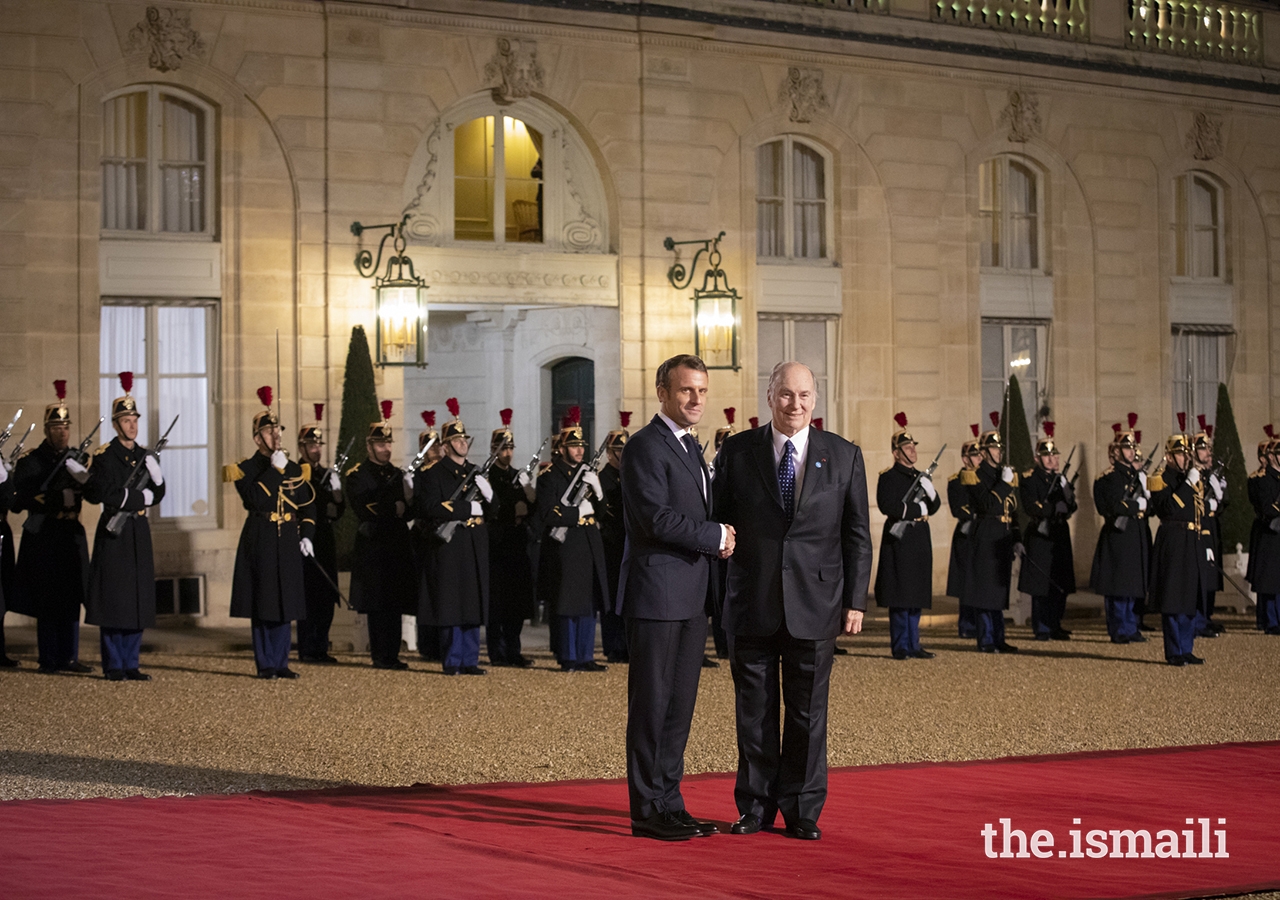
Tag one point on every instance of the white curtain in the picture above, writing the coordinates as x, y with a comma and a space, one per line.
182, 166
184, 392
122, 347
1023, 250
808, 180
124, 163
769, 201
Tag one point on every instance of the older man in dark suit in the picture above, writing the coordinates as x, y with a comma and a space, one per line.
797, 498
666, 501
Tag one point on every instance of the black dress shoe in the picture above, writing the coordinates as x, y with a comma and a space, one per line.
114, 674
1176, 661
521, 662
746, 824
8, 662
900, 654
317, 658
1002, 647
709, 663
267, 674
705, 829
922, 654
48, 670
1135, 638
986, 648
1274, 629
286, 673
1192, 660
450, 670
1143, 626
472, 670
805, 830
395, 665
1120, 639
663, 826
590, 666
1206, 633
77, 666
1042, 636
1216, 628
1060, 635
840, 651
136, 675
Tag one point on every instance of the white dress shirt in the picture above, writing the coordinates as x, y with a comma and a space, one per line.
800, 440
680, 433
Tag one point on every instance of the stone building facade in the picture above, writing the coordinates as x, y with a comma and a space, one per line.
917, 199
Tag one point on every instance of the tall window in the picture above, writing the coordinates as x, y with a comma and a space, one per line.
156, 164
1009, 208
1199, 364
1014, 347
791, 200
497, 170
807, 339
169, 349
1197, 231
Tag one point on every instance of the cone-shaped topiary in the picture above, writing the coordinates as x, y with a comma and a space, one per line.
359, 409
1237, 515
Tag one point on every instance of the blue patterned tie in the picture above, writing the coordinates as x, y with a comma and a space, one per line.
787, 480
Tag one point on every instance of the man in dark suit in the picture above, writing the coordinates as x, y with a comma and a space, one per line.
662, 588
798, 577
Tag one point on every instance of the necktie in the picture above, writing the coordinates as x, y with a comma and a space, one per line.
787, 480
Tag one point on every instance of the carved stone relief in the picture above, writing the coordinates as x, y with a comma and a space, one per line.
516, 68
166, 36
583, 233
802, 91
1022, 115
422, 224
1204, 139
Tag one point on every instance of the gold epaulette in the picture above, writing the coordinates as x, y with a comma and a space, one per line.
27, 453
102, 448
1105, 472
306, 471
1016, 480
1262, 470
882, 471
232, 472
1155, 483
953, 477
347, 474
968, 476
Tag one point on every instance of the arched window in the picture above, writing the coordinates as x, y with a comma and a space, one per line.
157, 164
1009, 210
497, 180
792, 200
1198, 235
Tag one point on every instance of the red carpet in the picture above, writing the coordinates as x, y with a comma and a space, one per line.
889, 831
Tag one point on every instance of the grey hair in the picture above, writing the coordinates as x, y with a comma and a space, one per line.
776, 375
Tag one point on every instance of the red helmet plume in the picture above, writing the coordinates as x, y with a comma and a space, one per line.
1049, 427
126, 381
624, 416
1270, 430
817, 422
1137, 436
901, 419
1133, 420
1208, 429
730, 413
975, 428
60, 388
1182, 422
755, 421
319, 412
265, 395
429, 418
995, 419
505, 415
386, 410
574, 415
1200, 419
452, 403
1117, 427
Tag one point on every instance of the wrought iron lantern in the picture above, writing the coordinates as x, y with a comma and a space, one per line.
401, 299
716, 325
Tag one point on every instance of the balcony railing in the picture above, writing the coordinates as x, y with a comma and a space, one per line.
1193, 28
878, 6
1065, 19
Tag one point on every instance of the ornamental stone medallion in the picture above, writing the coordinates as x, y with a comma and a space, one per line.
1022, 115
166, 36
1204, 140
802, 91
515, 66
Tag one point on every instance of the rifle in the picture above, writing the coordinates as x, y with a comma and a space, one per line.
466, 493
115, 524
576, 492
412, 465
899, 528
1067, 468
35, 521
537, 457
18, 448
1122, 522
341, 462
8, 429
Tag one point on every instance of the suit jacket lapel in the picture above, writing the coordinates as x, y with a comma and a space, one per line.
695, 470
817, 453
764, 460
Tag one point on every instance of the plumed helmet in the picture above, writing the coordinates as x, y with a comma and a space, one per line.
126, 405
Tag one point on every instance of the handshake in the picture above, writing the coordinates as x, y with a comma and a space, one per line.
729, 541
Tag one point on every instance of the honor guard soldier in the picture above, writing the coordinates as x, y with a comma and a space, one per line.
613, 534
320, 580
1264, 537
382, 574
1048, 567
427, 634
960, 504
1122, 559
904, 582
8, 569
510, 569
572, 577
53, 567
122, 577
1215, 497
994, 499
267, 587
457, 569
1182, 558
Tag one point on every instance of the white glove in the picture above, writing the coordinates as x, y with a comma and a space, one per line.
279, 460
1213, 504
1275, 525
1062, 480
153, 469
476, 508
1219, 485
924, 507
148, 498
1142, 504
524, 479
4, 472
593, 479
335, 485
305, 546
69, 499
522, 509
408, 486
1193, 477
1142, 479
78, 472
585, 509
486, 489
1007, 474
927, 484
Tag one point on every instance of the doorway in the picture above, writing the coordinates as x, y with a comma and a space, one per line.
573, 383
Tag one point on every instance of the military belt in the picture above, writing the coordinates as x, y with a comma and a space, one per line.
587, 520
272, 516
68, 516
473, 522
